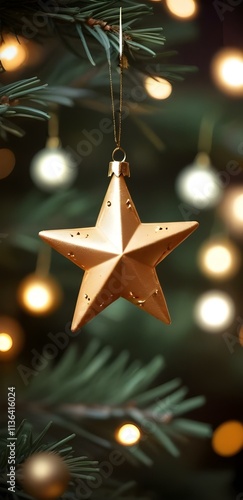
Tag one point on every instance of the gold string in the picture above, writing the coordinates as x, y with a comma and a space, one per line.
117, 125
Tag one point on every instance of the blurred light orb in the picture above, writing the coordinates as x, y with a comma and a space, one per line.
53, 169
7, 162
185, 9
128, 434
228, 438
12, 53
219, 258
158, 88
198, 184
227, 70
39, 295
214, 311
237, 207
241, 336
11, 338
6, 342
231, 209
45, 476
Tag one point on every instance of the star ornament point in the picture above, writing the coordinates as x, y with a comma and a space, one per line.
119, 256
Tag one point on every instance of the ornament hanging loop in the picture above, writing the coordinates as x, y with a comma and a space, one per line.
119, 167
119, 148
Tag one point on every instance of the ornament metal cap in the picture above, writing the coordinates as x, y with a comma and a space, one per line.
119, 167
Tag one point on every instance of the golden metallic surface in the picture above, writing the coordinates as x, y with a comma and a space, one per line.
119, 168
119, 256
45, 476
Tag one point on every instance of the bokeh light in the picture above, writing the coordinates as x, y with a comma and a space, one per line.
219, 258
11, 338
183, 9
12, 53
227, 70
7, 162
228, 438
6, 342
241, 336
53, 169
158, 88
214, 311
198, 184
237, 207
128, 434
44, 476
39, 295
231, 209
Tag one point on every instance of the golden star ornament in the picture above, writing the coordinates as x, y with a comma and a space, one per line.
119, 254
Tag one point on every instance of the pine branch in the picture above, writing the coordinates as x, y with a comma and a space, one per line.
10, 107
80, 468
15, 100
114, 390
27, 445
10, 96
95, 20
87, 22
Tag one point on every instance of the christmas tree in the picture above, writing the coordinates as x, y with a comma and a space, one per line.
117, 403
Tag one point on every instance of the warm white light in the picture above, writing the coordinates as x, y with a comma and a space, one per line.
232, 72
184, 9
39, 295
128, 434
6, 342
11, 338
227, 70
9, 52
219, 259
238, 207
53, 169
158, 88
40, 468
231, 209
12, 53
214, 311
199, 186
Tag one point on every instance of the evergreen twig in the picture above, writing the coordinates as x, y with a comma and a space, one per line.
27, 445
10, 97
115, 390
96, 20
20, 99
79, 467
